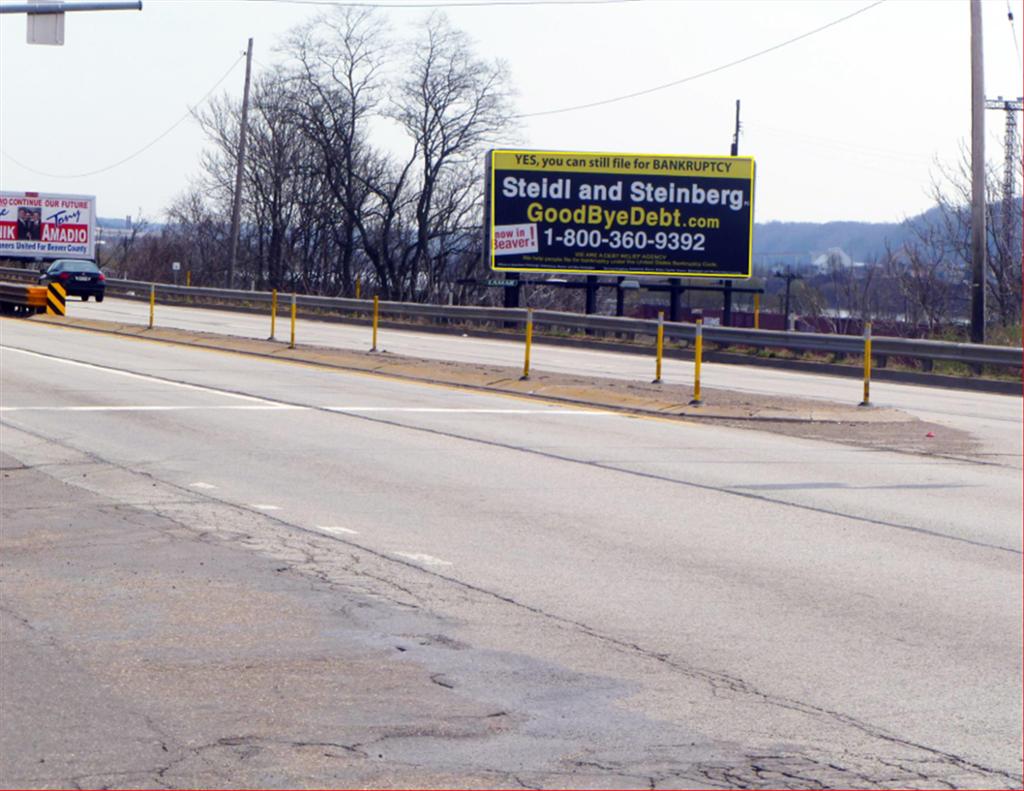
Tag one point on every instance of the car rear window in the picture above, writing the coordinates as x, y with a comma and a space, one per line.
79, 266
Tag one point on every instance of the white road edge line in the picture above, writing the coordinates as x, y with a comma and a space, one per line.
153, 408
132, 375
265, 506
474, 411
202, 485
274, 407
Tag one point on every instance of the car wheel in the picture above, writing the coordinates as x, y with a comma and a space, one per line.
85, 297
99, 297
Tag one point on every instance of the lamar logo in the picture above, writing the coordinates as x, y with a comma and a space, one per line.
66, 234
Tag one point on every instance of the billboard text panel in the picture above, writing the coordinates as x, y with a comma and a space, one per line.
560, 211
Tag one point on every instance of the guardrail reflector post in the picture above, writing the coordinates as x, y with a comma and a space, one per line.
56, 300
698, 350
359, 288
152, 303
376, 321
188, 278
660, 346
291, 344
757, 311
273, 314
529, 342
867, 365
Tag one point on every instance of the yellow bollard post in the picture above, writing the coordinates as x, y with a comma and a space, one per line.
291, 345
660, 346
757, 311
188, 278
376, 319
867, 365
529, 342
698, 350
152, 303
359, 288
273, 314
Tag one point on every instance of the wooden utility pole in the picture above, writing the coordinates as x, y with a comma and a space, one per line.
734, 150
236, 211
978, 241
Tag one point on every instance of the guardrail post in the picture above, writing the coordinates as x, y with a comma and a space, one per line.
291, 345
867, 365
359, 288
757, 311
698, 349
273, 314
376, 321
152, 303
660, 348
188, 278
529, 341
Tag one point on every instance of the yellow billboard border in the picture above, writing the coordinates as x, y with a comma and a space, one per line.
627, 273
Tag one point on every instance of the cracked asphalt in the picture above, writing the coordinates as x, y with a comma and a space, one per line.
211, 578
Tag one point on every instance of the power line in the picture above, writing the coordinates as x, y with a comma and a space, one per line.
448, 3
1013, 29
706, 73
142, 150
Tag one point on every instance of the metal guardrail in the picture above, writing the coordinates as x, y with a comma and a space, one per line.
928, 350
22, 298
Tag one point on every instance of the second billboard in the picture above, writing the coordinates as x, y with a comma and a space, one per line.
627, 214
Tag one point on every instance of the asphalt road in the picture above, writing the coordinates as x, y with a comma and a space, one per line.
995, 419
516, 593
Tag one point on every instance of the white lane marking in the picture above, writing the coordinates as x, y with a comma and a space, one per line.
335, 529
472, 410
265, 507
132, 375
426, 560
202, 485
274, 407
152, 408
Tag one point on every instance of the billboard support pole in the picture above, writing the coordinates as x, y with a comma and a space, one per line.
512, 297
591, 303
620, 297
675, 289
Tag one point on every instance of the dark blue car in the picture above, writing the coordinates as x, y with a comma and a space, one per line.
80, 278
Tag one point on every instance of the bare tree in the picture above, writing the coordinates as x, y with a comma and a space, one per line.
452, 105
952, 192
337, 85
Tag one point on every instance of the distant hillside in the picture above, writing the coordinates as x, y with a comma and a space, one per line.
798, 242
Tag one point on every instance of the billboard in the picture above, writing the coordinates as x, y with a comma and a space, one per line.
47, 225
625, 214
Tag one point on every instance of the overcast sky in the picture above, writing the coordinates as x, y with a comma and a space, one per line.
845, 124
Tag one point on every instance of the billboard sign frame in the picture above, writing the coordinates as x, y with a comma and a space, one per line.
600, 213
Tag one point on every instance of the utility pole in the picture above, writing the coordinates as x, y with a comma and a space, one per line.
236, 211
734, 150
789, 276
978, 245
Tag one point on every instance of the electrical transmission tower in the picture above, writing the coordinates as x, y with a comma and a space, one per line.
1012, 151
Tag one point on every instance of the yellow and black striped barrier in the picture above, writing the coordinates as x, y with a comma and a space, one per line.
56, 300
